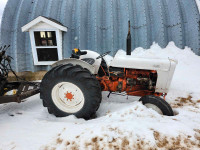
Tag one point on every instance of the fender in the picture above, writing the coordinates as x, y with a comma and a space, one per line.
94, 55
74, 61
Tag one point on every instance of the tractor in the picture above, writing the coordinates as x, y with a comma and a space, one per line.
74, 86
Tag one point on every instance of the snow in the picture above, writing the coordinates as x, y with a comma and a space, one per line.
120, 123
198, 4
2, 5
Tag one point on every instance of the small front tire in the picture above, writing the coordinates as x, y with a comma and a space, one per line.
158, 104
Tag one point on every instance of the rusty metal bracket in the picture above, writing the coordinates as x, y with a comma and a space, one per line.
24, 90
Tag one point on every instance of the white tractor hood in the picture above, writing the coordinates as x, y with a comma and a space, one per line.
125, 61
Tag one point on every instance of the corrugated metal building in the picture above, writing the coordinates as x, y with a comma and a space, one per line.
102, 25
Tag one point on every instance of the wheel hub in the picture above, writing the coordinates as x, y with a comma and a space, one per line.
154, 107
68, 97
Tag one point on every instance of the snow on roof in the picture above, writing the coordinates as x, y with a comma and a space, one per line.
46, 20
198, 4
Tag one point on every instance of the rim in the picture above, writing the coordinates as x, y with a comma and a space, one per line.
68, 97
154, 107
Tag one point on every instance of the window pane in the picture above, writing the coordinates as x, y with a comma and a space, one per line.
49, 34
45, 38
44, 42
42, 35
37, 38
47, 54
54, 38
50, 42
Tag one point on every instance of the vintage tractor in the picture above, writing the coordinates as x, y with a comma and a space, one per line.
74, 85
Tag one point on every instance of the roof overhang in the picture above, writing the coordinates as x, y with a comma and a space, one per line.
39, 19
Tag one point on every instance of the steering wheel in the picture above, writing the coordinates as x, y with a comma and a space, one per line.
103, 55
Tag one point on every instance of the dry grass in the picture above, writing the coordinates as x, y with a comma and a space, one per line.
181, 142
181, 102
28, 76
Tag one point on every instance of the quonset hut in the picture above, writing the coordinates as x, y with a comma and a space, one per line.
54, 27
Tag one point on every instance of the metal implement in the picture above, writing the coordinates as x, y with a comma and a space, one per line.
24, 90
13, 91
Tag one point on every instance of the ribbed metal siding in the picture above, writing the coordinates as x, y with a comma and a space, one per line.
102, 25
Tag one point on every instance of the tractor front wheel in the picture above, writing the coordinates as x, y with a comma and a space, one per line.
71, 90
158, 104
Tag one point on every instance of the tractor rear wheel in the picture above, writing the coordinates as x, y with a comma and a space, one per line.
71, 90
158, 104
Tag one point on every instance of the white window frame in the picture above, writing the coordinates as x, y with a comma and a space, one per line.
34, 47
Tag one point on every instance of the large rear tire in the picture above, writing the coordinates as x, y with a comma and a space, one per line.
158, 104
71, 90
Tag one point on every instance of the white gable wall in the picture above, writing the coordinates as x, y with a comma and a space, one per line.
43, 26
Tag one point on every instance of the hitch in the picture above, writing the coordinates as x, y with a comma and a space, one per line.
24, 90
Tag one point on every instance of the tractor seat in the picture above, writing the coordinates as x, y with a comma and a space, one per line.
89, 60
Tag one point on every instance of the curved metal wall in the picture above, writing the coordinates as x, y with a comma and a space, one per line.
102, 25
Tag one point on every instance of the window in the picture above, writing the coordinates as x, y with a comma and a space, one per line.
46, 46
47, 55
45, 38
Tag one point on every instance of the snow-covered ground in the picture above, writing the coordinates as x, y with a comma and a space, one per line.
121, 123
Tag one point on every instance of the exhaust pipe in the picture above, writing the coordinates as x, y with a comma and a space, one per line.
128, 40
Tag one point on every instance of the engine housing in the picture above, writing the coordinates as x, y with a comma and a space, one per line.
132, 81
